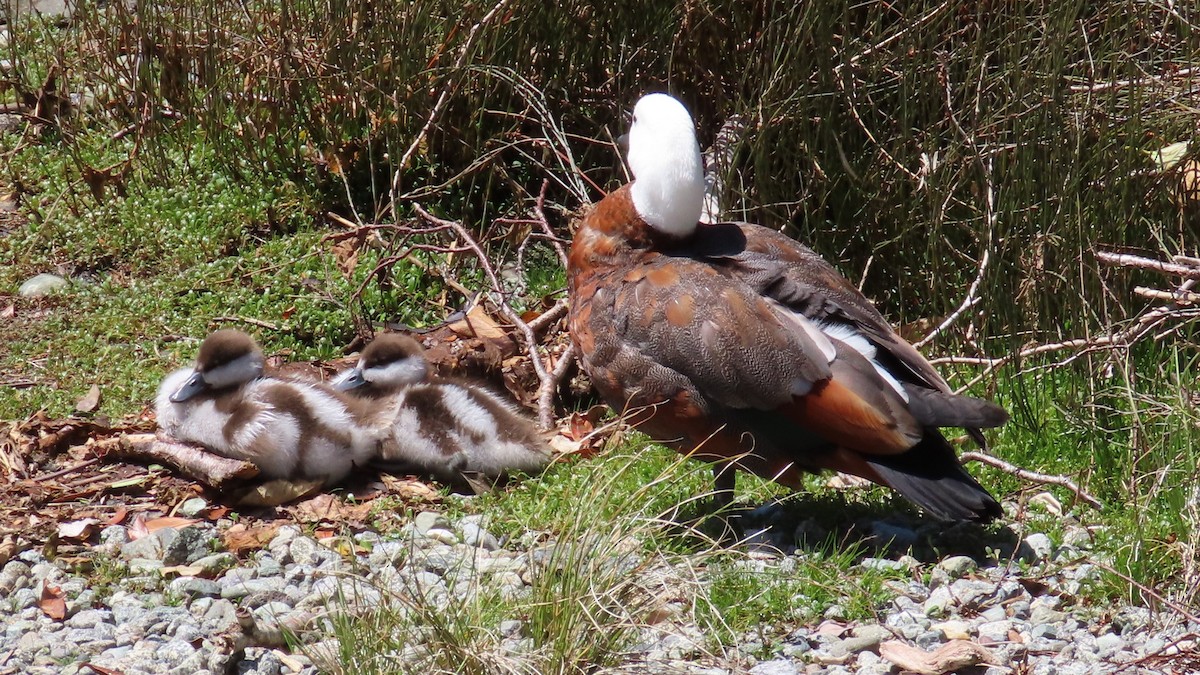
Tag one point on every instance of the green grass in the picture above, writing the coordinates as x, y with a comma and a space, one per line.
217, 217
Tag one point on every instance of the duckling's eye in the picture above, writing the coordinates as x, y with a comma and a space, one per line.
635, 119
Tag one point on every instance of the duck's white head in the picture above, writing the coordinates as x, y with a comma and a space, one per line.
391, 360
668, 172
227, 358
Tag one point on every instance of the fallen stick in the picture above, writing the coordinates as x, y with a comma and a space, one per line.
1179, 297
188, 459
1127, 260
1033, 476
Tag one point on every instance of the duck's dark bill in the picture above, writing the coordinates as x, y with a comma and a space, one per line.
351, 379
193, 386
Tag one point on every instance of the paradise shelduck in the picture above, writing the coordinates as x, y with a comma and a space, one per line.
735, 344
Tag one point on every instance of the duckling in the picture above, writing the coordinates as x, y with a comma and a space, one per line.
444, 428
289, 429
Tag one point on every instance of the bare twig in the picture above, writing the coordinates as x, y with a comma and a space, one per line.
531, 342
1118, 84
549, 316
1033, 476
1179, 297
1128, 260
247, 320
539, 212
548, 387
190, 460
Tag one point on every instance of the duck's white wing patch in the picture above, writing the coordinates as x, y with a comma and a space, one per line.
847, 335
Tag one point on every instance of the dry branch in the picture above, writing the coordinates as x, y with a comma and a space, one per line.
1145, 324
546, 379
1184, 270
1033, 476
190, 460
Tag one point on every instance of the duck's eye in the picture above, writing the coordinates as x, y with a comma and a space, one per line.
635, 119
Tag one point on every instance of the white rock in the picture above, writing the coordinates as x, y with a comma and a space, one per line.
42, 284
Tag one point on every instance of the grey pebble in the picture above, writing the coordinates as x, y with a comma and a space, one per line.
42, 284
428, 520
194, 586
775, 667
1036, 547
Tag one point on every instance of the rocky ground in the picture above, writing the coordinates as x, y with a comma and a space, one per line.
174, 602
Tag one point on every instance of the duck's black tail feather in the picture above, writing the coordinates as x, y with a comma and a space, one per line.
931, 476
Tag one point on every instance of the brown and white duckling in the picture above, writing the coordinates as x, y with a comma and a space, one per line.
443, 428
289, 429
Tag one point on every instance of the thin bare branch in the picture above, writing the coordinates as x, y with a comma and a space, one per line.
1033, 476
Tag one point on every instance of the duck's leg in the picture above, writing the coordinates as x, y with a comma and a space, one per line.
724, 482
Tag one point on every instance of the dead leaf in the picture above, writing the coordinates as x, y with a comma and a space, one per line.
279, 491
240, 538
410, 489
168, 521
53, 602
328, 508
137, 529
952, 656
8, 312
118, 516
78, 529
345, 254
831, 628
181, 570
100, 670
477, 323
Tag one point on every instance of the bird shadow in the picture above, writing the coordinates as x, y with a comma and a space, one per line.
813, 523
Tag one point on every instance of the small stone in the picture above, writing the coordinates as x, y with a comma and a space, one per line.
194, 586
213, 565
882, 564
42, 284
1109, 644
474, 535
510, 628
241, 589
191, 544
112, 538
996, 631
930, 639
954, 630
193, 507
1035, 548
994, 614
428, 520
1041, 614
303, 550
442, 535
151, 546
957, 566
90, 618
775, 667
862, 639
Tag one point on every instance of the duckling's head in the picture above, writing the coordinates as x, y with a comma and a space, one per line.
668, 171
227, 358
390, 361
